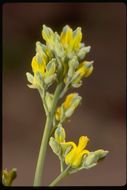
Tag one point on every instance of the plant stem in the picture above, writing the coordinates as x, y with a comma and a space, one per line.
62, 165
52, 131
45, 138
60, 177
43, 94
64, 91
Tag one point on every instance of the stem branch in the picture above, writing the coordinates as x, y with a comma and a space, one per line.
60, 177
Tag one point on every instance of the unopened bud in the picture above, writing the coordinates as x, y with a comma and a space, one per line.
60, 134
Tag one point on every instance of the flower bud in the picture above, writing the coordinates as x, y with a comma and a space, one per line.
71, 103
82, 52
30, 77
47, 34
77, 37
49, 99
51, 67
8, 176
73, 63
60, 134
55, 146
93, 158
89, 68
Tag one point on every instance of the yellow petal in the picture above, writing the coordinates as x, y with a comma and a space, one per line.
58, 114
78, 158
77, 37
38, 66
70, 143
85, 152
81, 71
70, 157
83, 140
89, 71
42, 68
85, 68
66, 35
34, 64
69, 99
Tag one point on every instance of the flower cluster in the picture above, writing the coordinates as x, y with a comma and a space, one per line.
60, 63
62, 58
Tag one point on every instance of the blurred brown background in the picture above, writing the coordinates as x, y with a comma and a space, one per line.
102, 114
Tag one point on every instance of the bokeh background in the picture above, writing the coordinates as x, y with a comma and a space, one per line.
102, 114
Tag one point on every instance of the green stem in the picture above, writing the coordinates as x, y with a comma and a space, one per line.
52, 130
43, 94
45, 138
60, 177
64, 91
62, 165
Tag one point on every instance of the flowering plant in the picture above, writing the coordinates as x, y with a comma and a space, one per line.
61, 63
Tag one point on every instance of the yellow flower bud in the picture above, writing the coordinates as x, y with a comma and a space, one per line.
60, 134
8, 176
89, 68
85, 68
58, 114
77, 37
38, 67
69, 100
68, 107
66, 36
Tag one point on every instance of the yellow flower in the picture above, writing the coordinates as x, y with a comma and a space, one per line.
74, 157
69, 100
67, 108
38, 67
70, 39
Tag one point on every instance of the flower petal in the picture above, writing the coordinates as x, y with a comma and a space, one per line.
66, 35
83, 140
